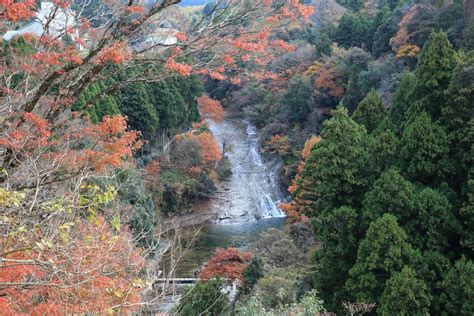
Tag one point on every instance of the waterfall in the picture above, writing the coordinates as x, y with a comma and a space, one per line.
252, 192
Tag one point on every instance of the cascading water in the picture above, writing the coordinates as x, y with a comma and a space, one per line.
248, 200
252, 191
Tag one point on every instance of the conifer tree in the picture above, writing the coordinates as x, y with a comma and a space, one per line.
370, 112
433, 75
424, 150
402, 99
459, 288
338, 232
334, 174
391, 193
384, 251
405, 294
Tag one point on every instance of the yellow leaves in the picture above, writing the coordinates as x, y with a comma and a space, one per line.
94, 197
116, 223
138, 283
44, 244
10, 198
58, 205
408, 50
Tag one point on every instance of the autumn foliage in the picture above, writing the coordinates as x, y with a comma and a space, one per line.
210, 108
210, 151
83, 273
294, 209
62, 248
226, 263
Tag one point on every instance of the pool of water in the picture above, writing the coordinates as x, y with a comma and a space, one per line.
241, 236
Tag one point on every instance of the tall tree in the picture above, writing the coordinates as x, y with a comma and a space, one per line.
370, 112
424, 150
334, 172
459, 288
383, 252
405, 294
433, 75
393, 194
338, 232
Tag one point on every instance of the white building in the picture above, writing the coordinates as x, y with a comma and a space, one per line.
58, 25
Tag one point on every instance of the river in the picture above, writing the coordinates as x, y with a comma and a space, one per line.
243, 206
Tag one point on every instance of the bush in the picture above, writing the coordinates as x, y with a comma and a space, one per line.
204, 298
276, 289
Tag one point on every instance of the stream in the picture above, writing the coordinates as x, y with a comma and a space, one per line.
243, 206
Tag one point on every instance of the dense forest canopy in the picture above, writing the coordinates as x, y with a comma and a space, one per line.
104, 136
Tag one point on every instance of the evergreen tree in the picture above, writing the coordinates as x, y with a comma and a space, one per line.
383, 150
433, 224
405, 294
459, 288
424, 150
402, 100
338, 232
136, 104
391, 193
334, 172
433, 75
298, 101
370, 112
383, 252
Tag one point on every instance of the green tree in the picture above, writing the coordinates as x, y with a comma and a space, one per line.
338, 232
435, 68
136, 104
459, 288
298, 102
383, 251
393, 194
383, 150
335, 173
204, 298
405, 294
402, 100
433, 225
424, 150
370, 112
252, 273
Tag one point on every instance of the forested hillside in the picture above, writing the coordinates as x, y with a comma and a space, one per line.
384, 98
113, 126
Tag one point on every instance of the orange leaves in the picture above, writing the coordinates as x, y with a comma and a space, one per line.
134, 9
182, 69
210, 108
328, 80
16, 11
279, 144
293, 209
34, 133
117, 54
281, 44
210, 152
90, 273
226, 263
181, 36
113, 143
309, 144
304, 10
401, 41
46, 58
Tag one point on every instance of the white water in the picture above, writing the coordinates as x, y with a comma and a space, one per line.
252, 192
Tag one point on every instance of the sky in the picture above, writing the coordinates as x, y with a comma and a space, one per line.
193, 2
